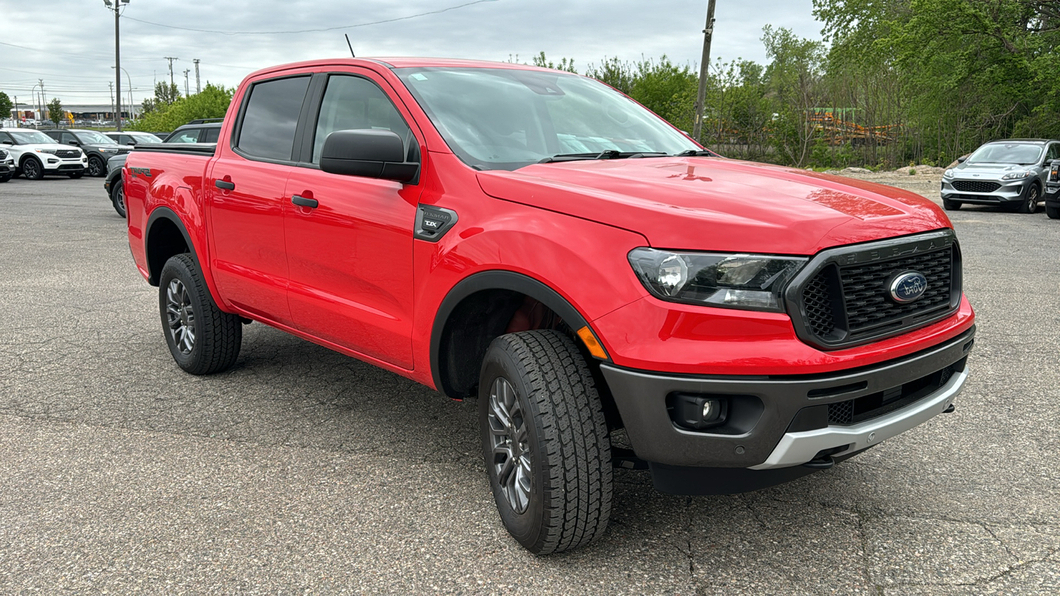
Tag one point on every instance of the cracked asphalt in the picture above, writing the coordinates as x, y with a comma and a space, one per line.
303, 471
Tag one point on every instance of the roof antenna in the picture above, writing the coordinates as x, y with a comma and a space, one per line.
349, 44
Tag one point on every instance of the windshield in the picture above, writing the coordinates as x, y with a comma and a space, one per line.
1010, 153
500, 118
146, 137
29, 137
91, 137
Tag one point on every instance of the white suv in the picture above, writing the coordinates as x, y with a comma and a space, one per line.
37, 154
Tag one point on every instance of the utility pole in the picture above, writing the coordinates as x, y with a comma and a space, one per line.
111, 85
198, 89
186, 71
43, 100
116, 6
704, 66
18, 117
171, 83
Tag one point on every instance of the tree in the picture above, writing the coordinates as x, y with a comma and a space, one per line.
166, 94
211, 103
564, 63
55, 111
5, 106
794, 78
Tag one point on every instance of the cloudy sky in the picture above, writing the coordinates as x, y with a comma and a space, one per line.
69, 44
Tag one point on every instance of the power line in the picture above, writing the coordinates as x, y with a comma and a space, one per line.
422, 14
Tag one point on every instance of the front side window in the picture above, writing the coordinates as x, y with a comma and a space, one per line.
502, 118
353, 103
271, 116
190, 135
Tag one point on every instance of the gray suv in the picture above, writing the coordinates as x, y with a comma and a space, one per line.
1010, 173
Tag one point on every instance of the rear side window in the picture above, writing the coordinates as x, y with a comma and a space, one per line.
271, 116
209, 135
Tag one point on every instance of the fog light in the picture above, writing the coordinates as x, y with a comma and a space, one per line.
697, 411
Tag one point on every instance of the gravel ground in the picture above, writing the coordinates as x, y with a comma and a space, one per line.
302, 471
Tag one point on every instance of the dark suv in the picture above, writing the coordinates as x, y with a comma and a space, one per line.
197, 131
133, 137
97, 146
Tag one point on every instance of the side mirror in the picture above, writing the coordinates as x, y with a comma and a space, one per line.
962, 159
368, 153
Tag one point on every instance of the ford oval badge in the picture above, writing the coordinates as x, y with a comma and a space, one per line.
908, 287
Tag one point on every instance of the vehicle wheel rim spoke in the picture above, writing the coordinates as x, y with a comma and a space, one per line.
180, 317
510, 442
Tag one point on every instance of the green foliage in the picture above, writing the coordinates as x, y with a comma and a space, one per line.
564, 63
611, 71
6, 105
56, 113
211, 103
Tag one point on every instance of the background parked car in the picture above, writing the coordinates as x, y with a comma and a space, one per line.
7, 166
37, 154
1010, 173
196, 131
1052, 190
97, 146
133, 137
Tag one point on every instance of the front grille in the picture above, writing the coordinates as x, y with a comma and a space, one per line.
975, 186
868, 306
67, 153
843, 298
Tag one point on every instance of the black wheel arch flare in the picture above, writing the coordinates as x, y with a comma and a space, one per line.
442, 335
154, 265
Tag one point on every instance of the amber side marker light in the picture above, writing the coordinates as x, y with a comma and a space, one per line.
595, 348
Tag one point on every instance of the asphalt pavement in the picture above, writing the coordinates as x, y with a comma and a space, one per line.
304, 471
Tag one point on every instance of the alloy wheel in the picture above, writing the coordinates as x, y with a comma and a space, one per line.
511, 444
180, 316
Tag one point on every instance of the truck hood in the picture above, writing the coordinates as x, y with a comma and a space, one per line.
698, 203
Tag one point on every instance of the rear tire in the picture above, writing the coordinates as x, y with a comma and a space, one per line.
202, 339
949, 205
545, 441
117, 197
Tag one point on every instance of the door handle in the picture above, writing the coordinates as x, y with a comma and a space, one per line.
224, 184
304, 202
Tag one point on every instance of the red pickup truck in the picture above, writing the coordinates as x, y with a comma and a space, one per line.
613, 294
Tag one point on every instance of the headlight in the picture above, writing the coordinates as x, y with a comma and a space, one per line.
752, 282
52, 151
948, 173
1017, 175
106, 150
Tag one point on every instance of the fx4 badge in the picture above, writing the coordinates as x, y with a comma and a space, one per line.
145, 172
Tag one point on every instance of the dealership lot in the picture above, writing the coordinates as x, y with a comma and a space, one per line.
302, 470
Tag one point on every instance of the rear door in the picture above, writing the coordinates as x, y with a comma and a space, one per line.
247, 180
350, 255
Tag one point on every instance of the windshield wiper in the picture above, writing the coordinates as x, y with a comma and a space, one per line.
695, 153
605, 154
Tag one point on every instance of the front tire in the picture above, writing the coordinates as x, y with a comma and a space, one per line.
117, 197
1030, 200
1052, 212
5, 178
96, 167
32, 169
949, 205
545, 441
202, 338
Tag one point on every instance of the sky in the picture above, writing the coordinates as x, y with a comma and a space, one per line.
69, 44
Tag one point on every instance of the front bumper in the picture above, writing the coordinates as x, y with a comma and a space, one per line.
784, 421
1052, 195
1009, 192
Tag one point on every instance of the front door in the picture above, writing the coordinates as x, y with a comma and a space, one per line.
350, 255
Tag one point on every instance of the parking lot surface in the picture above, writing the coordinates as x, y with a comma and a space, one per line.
304, 471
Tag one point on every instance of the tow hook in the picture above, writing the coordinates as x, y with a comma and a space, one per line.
821, 463
949, 409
